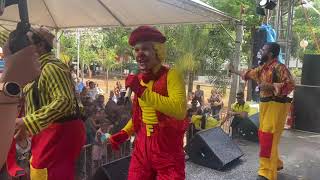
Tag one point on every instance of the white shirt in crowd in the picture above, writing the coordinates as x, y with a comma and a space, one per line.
92, 93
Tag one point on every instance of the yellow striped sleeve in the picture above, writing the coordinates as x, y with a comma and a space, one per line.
58, 85
3, 37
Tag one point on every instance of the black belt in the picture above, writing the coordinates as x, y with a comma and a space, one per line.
276, 99
67, 119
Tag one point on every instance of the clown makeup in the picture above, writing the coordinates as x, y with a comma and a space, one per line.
146, 56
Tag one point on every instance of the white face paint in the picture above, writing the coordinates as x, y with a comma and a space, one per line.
145, 56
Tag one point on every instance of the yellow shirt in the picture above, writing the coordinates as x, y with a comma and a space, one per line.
149, 115
175, 105
240, 108
210, 123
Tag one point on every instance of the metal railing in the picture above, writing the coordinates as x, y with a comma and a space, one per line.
93, 156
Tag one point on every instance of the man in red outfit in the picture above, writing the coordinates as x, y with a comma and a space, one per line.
159, 111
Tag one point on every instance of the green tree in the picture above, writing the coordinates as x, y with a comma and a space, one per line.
68, 45
217, 55
88, 57
117, 39
250, 20
199, 50
191, 44
87, 52
171, 33
303, 30
107, 59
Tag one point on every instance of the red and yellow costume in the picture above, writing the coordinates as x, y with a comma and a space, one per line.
159, 123
274, 107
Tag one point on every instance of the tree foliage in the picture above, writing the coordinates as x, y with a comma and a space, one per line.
191, 45
303, 30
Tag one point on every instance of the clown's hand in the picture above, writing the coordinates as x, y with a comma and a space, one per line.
133, 82
117, 139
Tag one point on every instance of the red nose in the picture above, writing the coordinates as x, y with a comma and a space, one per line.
140, 55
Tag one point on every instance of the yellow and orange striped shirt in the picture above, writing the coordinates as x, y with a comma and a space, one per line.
56, 95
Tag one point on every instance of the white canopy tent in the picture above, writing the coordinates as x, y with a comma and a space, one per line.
65, 14
61, 14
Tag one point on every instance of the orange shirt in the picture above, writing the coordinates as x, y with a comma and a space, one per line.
272, 72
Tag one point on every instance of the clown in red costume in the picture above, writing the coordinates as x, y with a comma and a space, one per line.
159, 111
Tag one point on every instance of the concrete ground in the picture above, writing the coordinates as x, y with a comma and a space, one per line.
300, 152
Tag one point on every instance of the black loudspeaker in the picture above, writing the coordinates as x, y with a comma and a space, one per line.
248, 128
306, 109
116, 170
213, 148
259, 39
310, 70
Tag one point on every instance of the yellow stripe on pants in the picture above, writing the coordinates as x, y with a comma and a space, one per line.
272, 119
38, 174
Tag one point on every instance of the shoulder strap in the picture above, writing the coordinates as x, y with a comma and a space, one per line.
35, 94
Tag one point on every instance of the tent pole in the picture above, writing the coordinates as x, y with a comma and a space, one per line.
236, 63
57, 43
78, 53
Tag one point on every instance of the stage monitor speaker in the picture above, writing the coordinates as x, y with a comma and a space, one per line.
310, 70
116, 170
213, 148
259, 39
248, 128
306, 109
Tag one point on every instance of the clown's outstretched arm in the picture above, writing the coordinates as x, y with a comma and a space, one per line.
129, 128
122, 136
175, 105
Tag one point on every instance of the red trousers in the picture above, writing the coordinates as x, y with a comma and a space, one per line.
55, 150
159, 156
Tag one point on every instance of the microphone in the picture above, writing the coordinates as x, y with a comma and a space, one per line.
129, 90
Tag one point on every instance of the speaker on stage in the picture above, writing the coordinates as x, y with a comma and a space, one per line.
310, 70
116, 170
259, 39
306, 109
248, 128
213, 148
